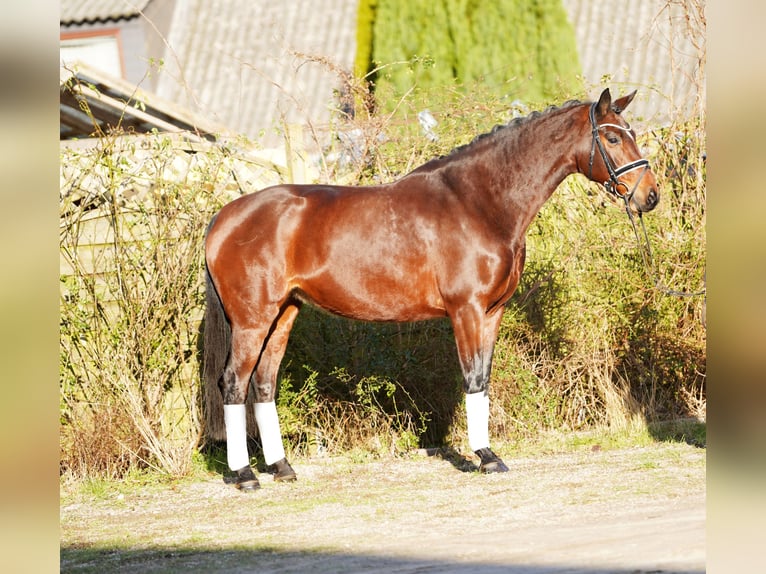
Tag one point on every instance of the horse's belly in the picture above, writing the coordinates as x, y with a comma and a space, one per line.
373, 296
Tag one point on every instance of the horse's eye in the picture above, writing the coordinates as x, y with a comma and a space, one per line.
612, 138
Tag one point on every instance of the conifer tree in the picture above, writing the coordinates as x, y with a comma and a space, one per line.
520, 49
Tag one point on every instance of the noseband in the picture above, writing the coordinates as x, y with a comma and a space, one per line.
614, 173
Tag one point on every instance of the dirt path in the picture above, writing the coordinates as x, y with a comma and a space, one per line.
635, 510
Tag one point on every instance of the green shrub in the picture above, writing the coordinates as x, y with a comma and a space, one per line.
520, 49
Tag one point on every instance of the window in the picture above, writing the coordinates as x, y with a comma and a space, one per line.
101, 50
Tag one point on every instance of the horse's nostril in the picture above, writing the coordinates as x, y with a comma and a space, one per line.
653, 198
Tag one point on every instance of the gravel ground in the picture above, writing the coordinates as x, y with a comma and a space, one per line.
635, 510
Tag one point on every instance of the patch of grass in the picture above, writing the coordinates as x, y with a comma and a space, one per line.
636, 435
97, 488
564, 441
689, 431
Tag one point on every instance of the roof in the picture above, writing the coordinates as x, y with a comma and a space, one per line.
74, 12
113, 103
248, 64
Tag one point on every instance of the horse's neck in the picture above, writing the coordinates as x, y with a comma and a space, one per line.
520, 170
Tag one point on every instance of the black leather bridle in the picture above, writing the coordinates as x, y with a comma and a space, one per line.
614, 182
612, 186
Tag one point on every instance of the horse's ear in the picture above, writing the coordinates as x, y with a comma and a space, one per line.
622, 103
604, 103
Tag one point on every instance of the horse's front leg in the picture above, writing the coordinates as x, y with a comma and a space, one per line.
475, 335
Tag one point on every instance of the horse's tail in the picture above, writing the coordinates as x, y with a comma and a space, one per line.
216, 344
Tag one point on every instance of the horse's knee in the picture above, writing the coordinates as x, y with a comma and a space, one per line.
476, 378
475, 385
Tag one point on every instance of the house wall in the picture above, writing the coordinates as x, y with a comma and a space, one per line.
156, 26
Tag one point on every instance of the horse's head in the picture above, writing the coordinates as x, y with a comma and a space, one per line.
614, 159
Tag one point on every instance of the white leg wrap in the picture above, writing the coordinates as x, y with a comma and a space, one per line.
477, 413
268, 428
235, 419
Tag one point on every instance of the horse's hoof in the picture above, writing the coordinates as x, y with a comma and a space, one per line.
246, 480
283, 472
490, 462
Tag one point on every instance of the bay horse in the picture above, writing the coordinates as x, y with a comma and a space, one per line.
445, 240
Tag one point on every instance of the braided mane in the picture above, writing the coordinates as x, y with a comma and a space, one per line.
512, 125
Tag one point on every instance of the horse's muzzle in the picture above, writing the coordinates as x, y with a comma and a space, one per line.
652, 199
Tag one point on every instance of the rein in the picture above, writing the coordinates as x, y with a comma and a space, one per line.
613, 184
646, 255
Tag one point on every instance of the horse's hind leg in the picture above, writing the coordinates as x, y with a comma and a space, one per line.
265, 384
246, 344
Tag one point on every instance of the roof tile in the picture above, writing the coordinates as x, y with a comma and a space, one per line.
81, 11
241, 66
